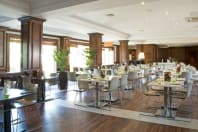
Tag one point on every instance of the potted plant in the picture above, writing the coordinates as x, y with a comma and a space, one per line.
89, 54
60, 57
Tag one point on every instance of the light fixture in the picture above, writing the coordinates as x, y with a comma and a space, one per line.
192, 19
110, 15
166, 13
142, 3
141, 56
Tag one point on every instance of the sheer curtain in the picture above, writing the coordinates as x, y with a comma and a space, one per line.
77, 57
107, 56
48, 63
15, 56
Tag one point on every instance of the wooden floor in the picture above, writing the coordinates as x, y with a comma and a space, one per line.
56, 118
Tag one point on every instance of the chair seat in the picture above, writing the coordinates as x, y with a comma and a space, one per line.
23, 103
179, 95
157, 89
152, 93
182, 90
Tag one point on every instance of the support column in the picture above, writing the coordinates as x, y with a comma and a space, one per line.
31, 38
123, 51
95, 40
65, 44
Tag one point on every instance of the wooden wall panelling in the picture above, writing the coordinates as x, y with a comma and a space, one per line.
149, 53
3, 49
163, 54
132, 53
178, 54
192, 56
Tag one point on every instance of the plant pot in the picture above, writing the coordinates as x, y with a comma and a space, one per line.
63, 80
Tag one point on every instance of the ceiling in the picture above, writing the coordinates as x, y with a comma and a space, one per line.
140, 21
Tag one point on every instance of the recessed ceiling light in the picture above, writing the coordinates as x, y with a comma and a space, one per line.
141, 30
142, 3
166, 13
148, 10
176, 23
110, 15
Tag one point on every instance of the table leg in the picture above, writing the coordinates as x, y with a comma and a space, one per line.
165, 101
97, 94
7, 116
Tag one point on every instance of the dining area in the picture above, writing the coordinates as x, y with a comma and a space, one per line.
171, 85
156, 90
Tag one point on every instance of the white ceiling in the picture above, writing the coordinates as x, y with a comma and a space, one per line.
157, 21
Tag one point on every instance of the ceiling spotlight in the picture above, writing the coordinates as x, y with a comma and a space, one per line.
166, 13
142, 3
110, 15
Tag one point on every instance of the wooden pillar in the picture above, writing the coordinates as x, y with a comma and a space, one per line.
117, 54
65, 44
95, 40
123, 51
3, 49
31, 38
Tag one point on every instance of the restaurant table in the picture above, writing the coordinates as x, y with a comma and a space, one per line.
42, 88
97, 103
9, 75
6, 100
167, 87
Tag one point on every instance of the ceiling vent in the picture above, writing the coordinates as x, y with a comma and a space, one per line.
192, 19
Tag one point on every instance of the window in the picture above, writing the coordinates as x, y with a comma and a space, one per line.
77, 57
14, 53
48, 63
107, 56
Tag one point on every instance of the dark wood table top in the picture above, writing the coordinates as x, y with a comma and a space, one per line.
13, 94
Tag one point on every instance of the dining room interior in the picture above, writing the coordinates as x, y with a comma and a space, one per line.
98, 65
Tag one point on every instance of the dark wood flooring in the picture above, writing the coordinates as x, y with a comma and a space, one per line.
55, 118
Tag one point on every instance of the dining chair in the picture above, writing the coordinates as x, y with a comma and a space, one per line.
184, 94
83, 86
27, 108
187, 75
72, 79
113, 86
52, 82
124, 85
152, 91
133, 80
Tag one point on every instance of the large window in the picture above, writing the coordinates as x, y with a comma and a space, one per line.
77, 57
48, 63
107, 56
14, 53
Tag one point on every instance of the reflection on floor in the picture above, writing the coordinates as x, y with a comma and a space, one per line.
61, 114
135, 115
